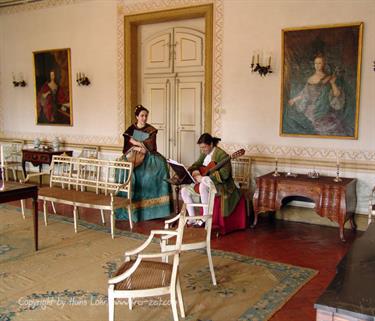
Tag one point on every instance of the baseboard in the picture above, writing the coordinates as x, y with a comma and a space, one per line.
307, 215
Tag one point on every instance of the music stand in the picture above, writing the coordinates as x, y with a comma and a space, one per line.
182, 177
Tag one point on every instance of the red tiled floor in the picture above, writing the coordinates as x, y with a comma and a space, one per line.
301, 244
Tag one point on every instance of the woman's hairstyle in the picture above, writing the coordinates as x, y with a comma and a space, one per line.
321, 56
140, 108
207, 139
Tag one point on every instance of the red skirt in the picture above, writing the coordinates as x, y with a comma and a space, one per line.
235, 221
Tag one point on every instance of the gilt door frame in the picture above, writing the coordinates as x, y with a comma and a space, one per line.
131, 24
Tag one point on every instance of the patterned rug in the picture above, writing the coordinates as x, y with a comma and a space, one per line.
67, 278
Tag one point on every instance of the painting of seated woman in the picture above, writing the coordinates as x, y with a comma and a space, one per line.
53, 87
321, 81
151, 193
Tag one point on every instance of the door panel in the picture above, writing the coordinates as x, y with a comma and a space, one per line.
172, 82
187, 143
157, 53
189, 121
189, 44
156, 98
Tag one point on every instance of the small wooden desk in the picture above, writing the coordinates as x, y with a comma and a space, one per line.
38, 157
336, 201
14, 191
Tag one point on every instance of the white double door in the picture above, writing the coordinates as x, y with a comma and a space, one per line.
172, 88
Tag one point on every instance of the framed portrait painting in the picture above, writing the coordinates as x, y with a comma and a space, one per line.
321, 81
53, 93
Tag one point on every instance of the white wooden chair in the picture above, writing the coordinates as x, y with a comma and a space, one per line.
89, 152
140, 276
241, 171
195, 238
371, 206
13, 161
13, 158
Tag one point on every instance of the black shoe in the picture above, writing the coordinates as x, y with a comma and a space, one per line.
199, 223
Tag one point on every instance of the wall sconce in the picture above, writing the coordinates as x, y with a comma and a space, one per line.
20, 83
262, 70
82, 79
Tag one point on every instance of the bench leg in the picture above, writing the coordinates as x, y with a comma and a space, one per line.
75, 218
112, 224
102, 214
14, 174
45, 212
53, 207
23, 208
130, 216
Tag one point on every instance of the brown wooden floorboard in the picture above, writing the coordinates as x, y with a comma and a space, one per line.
301, 244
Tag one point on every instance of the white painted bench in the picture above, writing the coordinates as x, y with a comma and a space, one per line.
88, 183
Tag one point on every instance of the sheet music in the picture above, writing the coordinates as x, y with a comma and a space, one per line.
181, 170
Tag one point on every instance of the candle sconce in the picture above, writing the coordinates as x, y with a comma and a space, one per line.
82, 79
20, 83
262, 70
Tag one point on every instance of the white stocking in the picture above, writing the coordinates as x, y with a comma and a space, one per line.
204, 191
187, 198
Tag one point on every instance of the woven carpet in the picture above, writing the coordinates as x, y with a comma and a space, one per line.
67, 278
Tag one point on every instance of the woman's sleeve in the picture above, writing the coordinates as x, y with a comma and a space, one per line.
221, 175
127, 144
337, 102
150, 142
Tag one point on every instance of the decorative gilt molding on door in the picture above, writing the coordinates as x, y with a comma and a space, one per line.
216, 73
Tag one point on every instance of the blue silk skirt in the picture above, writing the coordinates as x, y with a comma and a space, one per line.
151, 193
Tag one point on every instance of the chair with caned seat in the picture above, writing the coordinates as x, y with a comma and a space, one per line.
12, 158
195, 238
241, 170
13, 161
140, 276
371, 206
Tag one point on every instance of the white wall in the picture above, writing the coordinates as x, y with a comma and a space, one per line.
249, 108
89, 30
252, 102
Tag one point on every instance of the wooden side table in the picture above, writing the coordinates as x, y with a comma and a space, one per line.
14, 191
334, 200
38, 157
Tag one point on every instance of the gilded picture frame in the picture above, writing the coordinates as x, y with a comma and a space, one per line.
320, 81
53, 83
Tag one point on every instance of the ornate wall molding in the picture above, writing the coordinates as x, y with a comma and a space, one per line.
66, 139
126, 9
73, 139
38, 5
310, 153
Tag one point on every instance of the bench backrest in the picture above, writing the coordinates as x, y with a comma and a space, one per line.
99, 175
